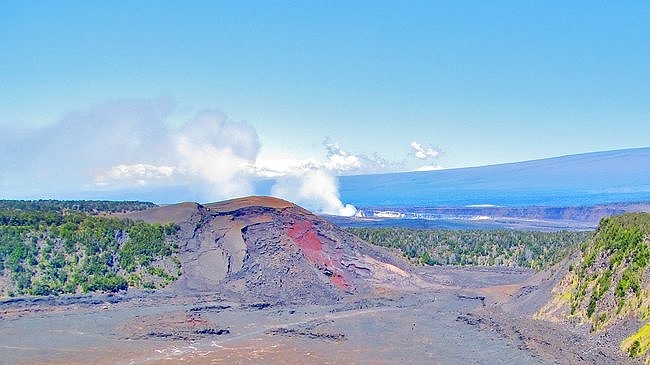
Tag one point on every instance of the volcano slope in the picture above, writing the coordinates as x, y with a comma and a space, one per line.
267, 249
265, 281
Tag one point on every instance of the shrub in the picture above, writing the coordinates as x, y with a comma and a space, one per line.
110, 283
635, 349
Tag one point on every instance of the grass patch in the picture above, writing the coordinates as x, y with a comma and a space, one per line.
637, 344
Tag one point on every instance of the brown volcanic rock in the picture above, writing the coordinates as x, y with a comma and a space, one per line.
251, 201
267, 249
180, 212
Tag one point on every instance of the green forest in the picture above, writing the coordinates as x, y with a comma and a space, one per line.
535, 250
51, 247
82, 206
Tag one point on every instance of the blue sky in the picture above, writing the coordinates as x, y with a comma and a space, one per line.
478, 82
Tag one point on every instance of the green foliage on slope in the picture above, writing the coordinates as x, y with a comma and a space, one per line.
638, 343
536, 250
609, 282
53, 249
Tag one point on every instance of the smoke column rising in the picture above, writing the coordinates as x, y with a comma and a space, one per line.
316, 190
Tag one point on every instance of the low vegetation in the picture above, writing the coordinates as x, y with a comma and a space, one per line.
609, 281
52, 247
536, 250
637, 344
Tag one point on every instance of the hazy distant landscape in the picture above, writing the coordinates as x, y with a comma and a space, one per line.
611, 177
324, 182
564, 193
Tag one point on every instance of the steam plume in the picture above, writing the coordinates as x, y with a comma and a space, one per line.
129, 145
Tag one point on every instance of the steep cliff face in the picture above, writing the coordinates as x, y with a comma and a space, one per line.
607, 287
267, 249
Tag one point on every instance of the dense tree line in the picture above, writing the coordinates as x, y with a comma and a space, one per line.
84, 206
537, 250
55, 249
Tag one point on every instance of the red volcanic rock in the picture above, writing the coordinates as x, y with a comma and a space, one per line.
339, 281
304, 235
302, 232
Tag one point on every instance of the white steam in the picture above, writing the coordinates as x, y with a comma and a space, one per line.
316, 190
218, 152
129, 145
312, 183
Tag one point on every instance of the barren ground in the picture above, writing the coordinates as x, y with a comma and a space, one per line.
454, 323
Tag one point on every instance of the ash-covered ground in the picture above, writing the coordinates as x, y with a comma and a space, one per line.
462, 321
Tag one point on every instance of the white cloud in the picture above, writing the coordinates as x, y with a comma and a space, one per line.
424, 152
129, 144
270, 168
66, 157
339, 160
218, 172
138, 174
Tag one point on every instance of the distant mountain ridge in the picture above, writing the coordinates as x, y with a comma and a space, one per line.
574, 180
